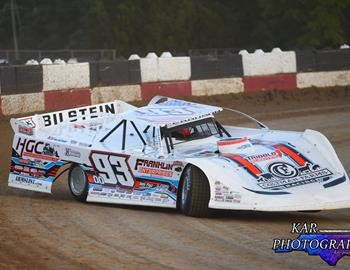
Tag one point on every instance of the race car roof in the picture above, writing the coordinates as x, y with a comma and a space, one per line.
172, 112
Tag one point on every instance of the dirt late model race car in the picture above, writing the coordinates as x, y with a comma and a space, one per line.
174, 153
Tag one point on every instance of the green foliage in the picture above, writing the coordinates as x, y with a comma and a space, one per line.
301, 23
140, 26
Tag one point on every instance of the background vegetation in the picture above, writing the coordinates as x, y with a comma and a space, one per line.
177, 25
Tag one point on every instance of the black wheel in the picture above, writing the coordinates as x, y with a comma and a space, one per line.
78, 183
194, 193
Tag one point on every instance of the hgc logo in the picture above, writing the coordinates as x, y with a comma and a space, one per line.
31, 146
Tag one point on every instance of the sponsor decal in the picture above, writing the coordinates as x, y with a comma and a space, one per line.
84, 144
95, 126
39, 156
154, 164
34, 168
52, 119
330, 245
27, 162
27, 181
36, 149
163, 111
244, 146
29, 171
264, 156
178, 163
283, 170
223, 193
51, 138
79, 126
281, 175
29, 122
152, 167
49, 150
219, 198
233, 197
109, 192
25, 130
179, 103
69, 152
285, 175
157, 172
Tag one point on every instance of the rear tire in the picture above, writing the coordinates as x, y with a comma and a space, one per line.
78, 183
194, 193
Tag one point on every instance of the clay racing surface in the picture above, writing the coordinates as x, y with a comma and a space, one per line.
56, 232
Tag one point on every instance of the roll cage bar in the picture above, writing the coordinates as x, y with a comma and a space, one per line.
123, 124
166, 132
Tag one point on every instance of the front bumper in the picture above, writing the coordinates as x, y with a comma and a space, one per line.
308, 199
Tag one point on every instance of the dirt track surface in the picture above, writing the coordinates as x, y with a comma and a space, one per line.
56, 232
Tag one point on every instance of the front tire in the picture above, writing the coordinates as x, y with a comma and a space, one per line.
78, 183
194, 193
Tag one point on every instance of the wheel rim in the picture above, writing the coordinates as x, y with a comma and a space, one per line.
77, 181
185, 186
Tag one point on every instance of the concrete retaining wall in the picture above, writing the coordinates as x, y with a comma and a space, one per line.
59, 86
64, 99
164, 68
149, 69
174, 69
323, 79
270, 82
275, 62
66, 76
217, 86
171, 89
22, 103
109, 93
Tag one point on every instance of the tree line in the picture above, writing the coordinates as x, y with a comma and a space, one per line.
140, 26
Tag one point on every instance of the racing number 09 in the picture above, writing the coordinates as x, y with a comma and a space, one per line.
113, 168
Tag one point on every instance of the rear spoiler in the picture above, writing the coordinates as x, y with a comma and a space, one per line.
30, 124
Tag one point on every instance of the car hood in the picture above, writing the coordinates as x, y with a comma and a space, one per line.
300, 162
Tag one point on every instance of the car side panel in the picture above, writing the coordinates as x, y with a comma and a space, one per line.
133, 179
34, 164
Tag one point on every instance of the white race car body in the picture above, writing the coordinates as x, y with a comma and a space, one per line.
131, 156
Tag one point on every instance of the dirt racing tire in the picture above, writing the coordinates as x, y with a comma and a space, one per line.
194, 193
78, 183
